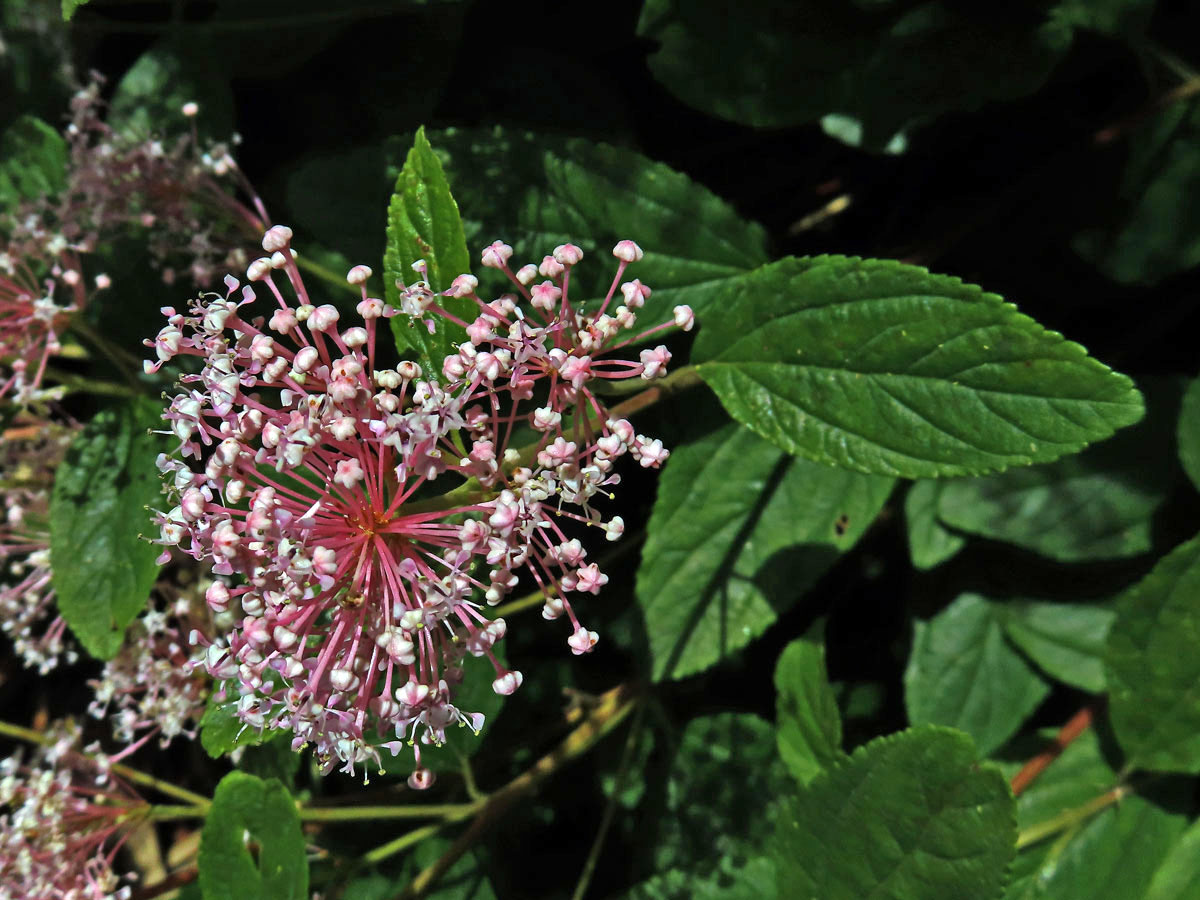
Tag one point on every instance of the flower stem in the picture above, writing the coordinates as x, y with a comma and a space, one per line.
123, 361
354, 813
1070, 818
1078, 724
610, 710
78, 384
171, 813
324, 273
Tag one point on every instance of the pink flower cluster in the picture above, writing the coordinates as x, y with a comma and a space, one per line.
29, 453
63, 818
303, 478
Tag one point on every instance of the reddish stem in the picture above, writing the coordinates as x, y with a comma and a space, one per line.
1078, 724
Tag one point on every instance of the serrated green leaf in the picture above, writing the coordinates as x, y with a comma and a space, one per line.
964, 673
929, 542
1178, 877
882, 367
789, 62
424, 223
536, 191
738, 532
721, 782
1096, 505
1156, 232
1188, 432
246, 808
1153, 670
33, 162
1067, 641
102, 568
912, 816
808, 726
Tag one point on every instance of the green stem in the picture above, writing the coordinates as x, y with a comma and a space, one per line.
409, 839
354, 813
324, 273
123, 361
171, 813
78, 384
133, 775
1069, 818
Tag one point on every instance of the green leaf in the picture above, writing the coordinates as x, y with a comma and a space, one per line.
753, 880
221, 731
70, 6
882, 367
102, 567
1178, 878
272, 758
1112, 17
788, 62
911, 816
962, 672
150, 96
807, 722
1153, 669
738, 532
721, 782
424, 223
247, 809
536, 191
1096, 505
1188, 432
33, 162
1156, 232
929, 542
1067, 641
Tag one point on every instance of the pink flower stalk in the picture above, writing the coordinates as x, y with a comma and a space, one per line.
31, 322
29, 454
63, 818
152, 687
357, 599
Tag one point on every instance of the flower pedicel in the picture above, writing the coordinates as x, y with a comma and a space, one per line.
299, 479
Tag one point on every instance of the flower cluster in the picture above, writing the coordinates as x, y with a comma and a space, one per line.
63, 818
151, 686
179, 194
29, 453
303, 478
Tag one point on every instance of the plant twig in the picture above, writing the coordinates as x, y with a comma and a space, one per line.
355, 813
1070, 818
610, 808
1078, 724
610, 710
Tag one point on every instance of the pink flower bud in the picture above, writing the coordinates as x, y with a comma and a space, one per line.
358, 275
627, 251
497, 255
567, 254
507, 683
276, 238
